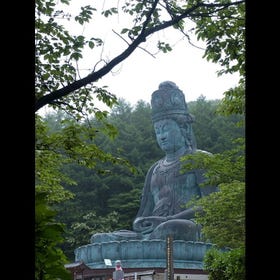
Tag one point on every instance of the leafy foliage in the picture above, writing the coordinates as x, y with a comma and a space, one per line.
224, 32
55, 148
88, 225
49, 258
225, 167
233, 101
223, 216
48, 162
57, 52
228, 265
223, 221
220, 23
214, 132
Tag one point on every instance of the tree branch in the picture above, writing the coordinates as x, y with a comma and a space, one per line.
93, 77
138, 46
188, 12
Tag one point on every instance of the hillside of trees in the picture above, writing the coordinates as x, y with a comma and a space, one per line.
107, 197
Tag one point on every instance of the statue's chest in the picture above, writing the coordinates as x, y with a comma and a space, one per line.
168, 181
164, 174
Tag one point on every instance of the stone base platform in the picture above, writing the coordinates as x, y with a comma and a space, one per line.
143, 253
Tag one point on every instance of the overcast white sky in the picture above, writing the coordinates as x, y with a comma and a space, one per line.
140, 74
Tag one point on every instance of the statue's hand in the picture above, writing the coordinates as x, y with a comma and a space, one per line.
147, 224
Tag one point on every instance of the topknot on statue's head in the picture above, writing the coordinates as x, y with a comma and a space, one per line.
168, 101
167, 84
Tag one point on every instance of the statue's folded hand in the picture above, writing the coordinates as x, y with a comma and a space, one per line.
146, 225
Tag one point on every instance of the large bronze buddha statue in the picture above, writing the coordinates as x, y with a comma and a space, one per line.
167, 191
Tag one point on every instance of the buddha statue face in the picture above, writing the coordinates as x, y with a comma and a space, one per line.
169, 135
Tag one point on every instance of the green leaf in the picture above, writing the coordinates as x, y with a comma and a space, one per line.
76, 56
91, 44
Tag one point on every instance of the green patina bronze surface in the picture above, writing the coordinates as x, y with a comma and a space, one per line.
165, 194
143, 253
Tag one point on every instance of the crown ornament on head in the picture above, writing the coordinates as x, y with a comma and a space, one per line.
169, 101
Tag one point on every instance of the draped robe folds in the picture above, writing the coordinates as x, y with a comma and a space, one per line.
163, 209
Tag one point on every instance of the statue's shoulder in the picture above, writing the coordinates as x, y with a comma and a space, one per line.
154, 165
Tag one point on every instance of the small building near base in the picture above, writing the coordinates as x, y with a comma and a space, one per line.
80, 271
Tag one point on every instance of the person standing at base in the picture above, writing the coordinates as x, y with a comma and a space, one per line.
118, 274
